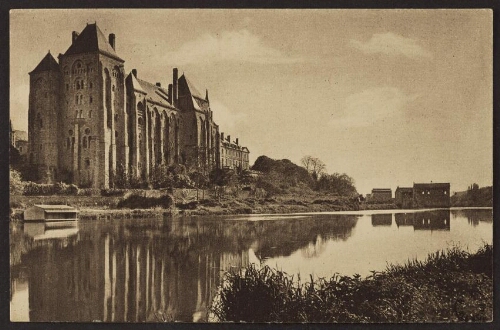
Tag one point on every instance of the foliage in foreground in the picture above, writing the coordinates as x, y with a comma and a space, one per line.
451, 286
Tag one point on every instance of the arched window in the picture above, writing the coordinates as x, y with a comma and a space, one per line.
85, 142
90, 99
76, 113
90, 139
90, 85
90, 113
87, 162
87, 131
113, 88
68, 143
76, 99
81, 113
70, 132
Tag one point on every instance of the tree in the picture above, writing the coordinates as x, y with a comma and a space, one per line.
314, 166
340, 184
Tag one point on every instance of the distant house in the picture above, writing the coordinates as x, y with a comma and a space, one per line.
423, 195
404, 197
431, 195
381, 195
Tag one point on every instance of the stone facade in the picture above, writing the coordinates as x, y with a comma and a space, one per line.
232, 155
89, 120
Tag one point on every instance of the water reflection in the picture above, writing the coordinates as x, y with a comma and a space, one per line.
381, 219
155, 270
426, 220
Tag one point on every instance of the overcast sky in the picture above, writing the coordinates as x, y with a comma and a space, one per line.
389, 97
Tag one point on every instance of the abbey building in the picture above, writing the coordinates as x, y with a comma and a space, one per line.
88, 119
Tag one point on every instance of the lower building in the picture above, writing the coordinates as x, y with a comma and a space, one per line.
381, 195
423, 195
404, 197
431, 195
232, 154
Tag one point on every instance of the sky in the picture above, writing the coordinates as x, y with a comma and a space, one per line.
389, 97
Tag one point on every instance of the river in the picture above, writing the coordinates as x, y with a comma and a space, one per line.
154, 270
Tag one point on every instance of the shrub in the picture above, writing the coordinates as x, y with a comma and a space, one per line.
113, 192
135, 201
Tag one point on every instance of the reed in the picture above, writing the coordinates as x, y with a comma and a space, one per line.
449, 286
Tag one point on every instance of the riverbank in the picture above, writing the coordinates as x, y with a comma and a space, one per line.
97, 207
451, 286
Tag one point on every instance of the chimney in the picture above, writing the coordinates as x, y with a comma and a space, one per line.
74, 35
112, 40
222, 136
134, 72
228, 138
158, 84
236, 141
170, 93
174, 87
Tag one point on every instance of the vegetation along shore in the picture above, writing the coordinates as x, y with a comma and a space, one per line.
449, 286
271, 186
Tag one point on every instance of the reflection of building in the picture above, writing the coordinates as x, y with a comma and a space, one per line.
381, 195
427, 220
233, 155
381, 219
89, 120
423, 195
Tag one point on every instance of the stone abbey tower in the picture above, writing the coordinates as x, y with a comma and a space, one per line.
89, 120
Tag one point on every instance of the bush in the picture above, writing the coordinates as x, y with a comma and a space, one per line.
113, 192
135, 201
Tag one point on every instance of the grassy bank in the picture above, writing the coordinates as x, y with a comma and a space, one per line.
133, 206
451, 286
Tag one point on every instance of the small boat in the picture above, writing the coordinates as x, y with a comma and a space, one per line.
40, 212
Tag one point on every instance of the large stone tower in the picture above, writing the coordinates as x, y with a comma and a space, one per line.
43, 118
93, 137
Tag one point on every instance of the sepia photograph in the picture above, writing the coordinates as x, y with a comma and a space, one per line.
251, 165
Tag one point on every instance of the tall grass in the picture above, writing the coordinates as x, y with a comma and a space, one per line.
450, 286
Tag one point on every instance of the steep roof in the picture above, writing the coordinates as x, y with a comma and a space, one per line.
155, 93
134, 83
191, 88
91, 39
48, 63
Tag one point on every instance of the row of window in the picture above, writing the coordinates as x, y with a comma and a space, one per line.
78, 84
79, 99
78, 68
70, 142
235, 153
79, 114
428, 192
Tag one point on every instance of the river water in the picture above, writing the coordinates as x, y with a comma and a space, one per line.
154, 270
